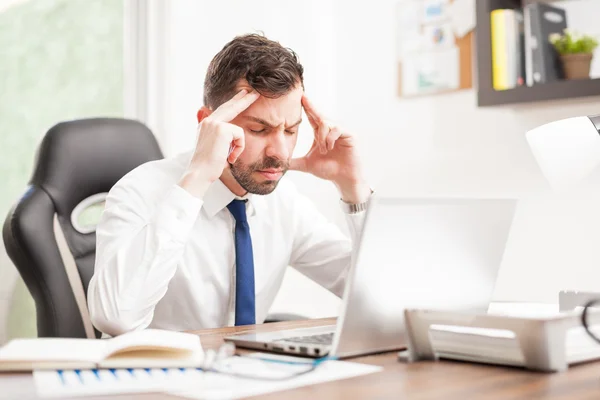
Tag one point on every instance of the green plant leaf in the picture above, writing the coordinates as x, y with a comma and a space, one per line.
572, 43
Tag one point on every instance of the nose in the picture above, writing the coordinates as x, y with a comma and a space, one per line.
278, 146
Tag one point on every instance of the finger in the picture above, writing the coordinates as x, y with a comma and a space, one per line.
298, 164
311, 112
233, 107
237, 145
321, 137
332, 137
319, 125
312, 121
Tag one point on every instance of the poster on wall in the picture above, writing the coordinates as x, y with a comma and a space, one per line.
431, 58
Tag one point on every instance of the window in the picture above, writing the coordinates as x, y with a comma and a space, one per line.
59, 60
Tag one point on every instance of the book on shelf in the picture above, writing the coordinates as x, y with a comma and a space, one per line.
507, 48
542, 60
521, 50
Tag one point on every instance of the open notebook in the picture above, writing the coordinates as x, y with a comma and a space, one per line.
150, 348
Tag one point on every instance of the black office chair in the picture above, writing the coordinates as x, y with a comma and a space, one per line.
76, 165
77, 161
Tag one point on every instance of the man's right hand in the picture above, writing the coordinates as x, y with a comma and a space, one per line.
219, 143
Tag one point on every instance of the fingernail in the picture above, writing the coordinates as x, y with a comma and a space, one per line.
243, 91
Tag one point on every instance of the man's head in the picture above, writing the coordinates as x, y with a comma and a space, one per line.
271, 123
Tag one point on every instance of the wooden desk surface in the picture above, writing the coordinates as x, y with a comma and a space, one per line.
431, 380
398, 380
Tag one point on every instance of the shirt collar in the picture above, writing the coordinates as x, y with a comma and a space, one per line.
218, 196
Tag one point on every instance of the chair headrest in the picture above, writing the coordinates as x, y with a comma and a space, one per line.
81, 158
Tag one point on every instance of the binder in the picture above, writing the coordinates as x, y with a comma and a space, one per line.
541, 59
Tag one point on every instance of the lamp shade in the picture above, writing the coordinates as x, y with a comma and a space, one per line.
567, 151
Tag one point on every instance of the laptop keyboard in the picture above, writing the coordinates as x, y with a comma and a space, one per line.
325, 338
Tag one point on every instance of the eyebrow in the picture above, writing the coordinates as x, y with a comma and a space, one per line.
268, 125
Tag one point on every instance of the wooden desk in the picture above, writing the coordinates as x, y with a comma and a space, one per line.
431, 380
423, 380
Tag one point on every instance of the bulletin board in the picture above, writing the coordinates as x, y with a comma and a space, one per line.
435, 46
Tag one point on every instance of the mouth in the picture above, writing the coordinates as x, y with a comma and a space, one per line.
271, 174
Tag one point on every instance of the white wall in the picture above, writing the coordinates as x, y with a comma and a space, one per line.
445, 144
437, 144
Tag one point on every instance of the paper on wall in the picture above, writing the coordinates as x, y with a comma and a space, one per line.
438, 36
431, 71
462, 16
435, 11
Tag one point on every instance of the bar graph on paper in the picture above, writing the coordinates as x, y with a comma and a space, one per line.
193, 383
62, 383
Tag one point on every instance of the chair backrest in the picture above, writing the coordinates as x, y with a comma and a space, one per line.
76, 164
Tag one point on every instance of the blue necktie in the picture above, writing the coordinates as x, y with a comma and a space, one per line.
244, 266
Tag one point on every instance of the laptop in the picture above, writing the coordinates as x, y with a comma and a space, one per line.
413, 253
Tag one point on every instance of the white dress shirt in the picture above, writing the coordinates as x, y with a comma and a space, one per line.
166, 259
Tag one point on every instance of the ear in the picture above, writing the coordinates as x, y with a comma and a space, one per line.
203, 112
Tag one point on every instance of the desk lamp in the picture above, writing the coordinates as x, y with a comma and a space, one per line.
568, 152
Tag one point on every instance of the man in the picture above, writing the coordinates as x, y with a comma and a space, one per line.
202, 240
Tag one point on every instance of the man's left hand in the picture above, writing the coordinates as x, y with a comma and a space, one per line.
333, 157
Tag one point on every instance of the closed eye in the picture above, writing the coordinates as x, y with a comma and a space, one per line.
291, 132
258, 131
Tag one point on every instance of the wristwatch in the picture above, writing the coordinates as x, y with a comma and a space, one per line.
350, 208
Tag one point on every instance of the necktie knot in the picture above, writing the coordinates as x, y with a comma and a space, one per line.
237, 208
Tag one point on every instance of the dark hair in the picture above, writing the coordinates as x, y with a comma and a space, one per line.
267, 66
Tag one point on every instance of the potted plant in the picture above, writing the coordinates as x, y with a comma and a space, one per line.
575, 52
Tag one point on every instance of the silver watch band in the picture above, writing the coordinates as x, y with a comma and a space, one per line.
350, 208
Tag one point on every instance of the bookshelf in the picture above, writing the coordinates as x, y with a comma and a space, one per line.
487, 96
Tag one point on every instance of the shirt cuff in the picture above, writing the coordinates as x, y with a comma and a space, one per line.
356, 223
177, 213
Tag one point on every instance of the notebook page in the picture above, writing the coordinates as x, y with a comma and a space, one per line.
153, 339
53, 349
153, 359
